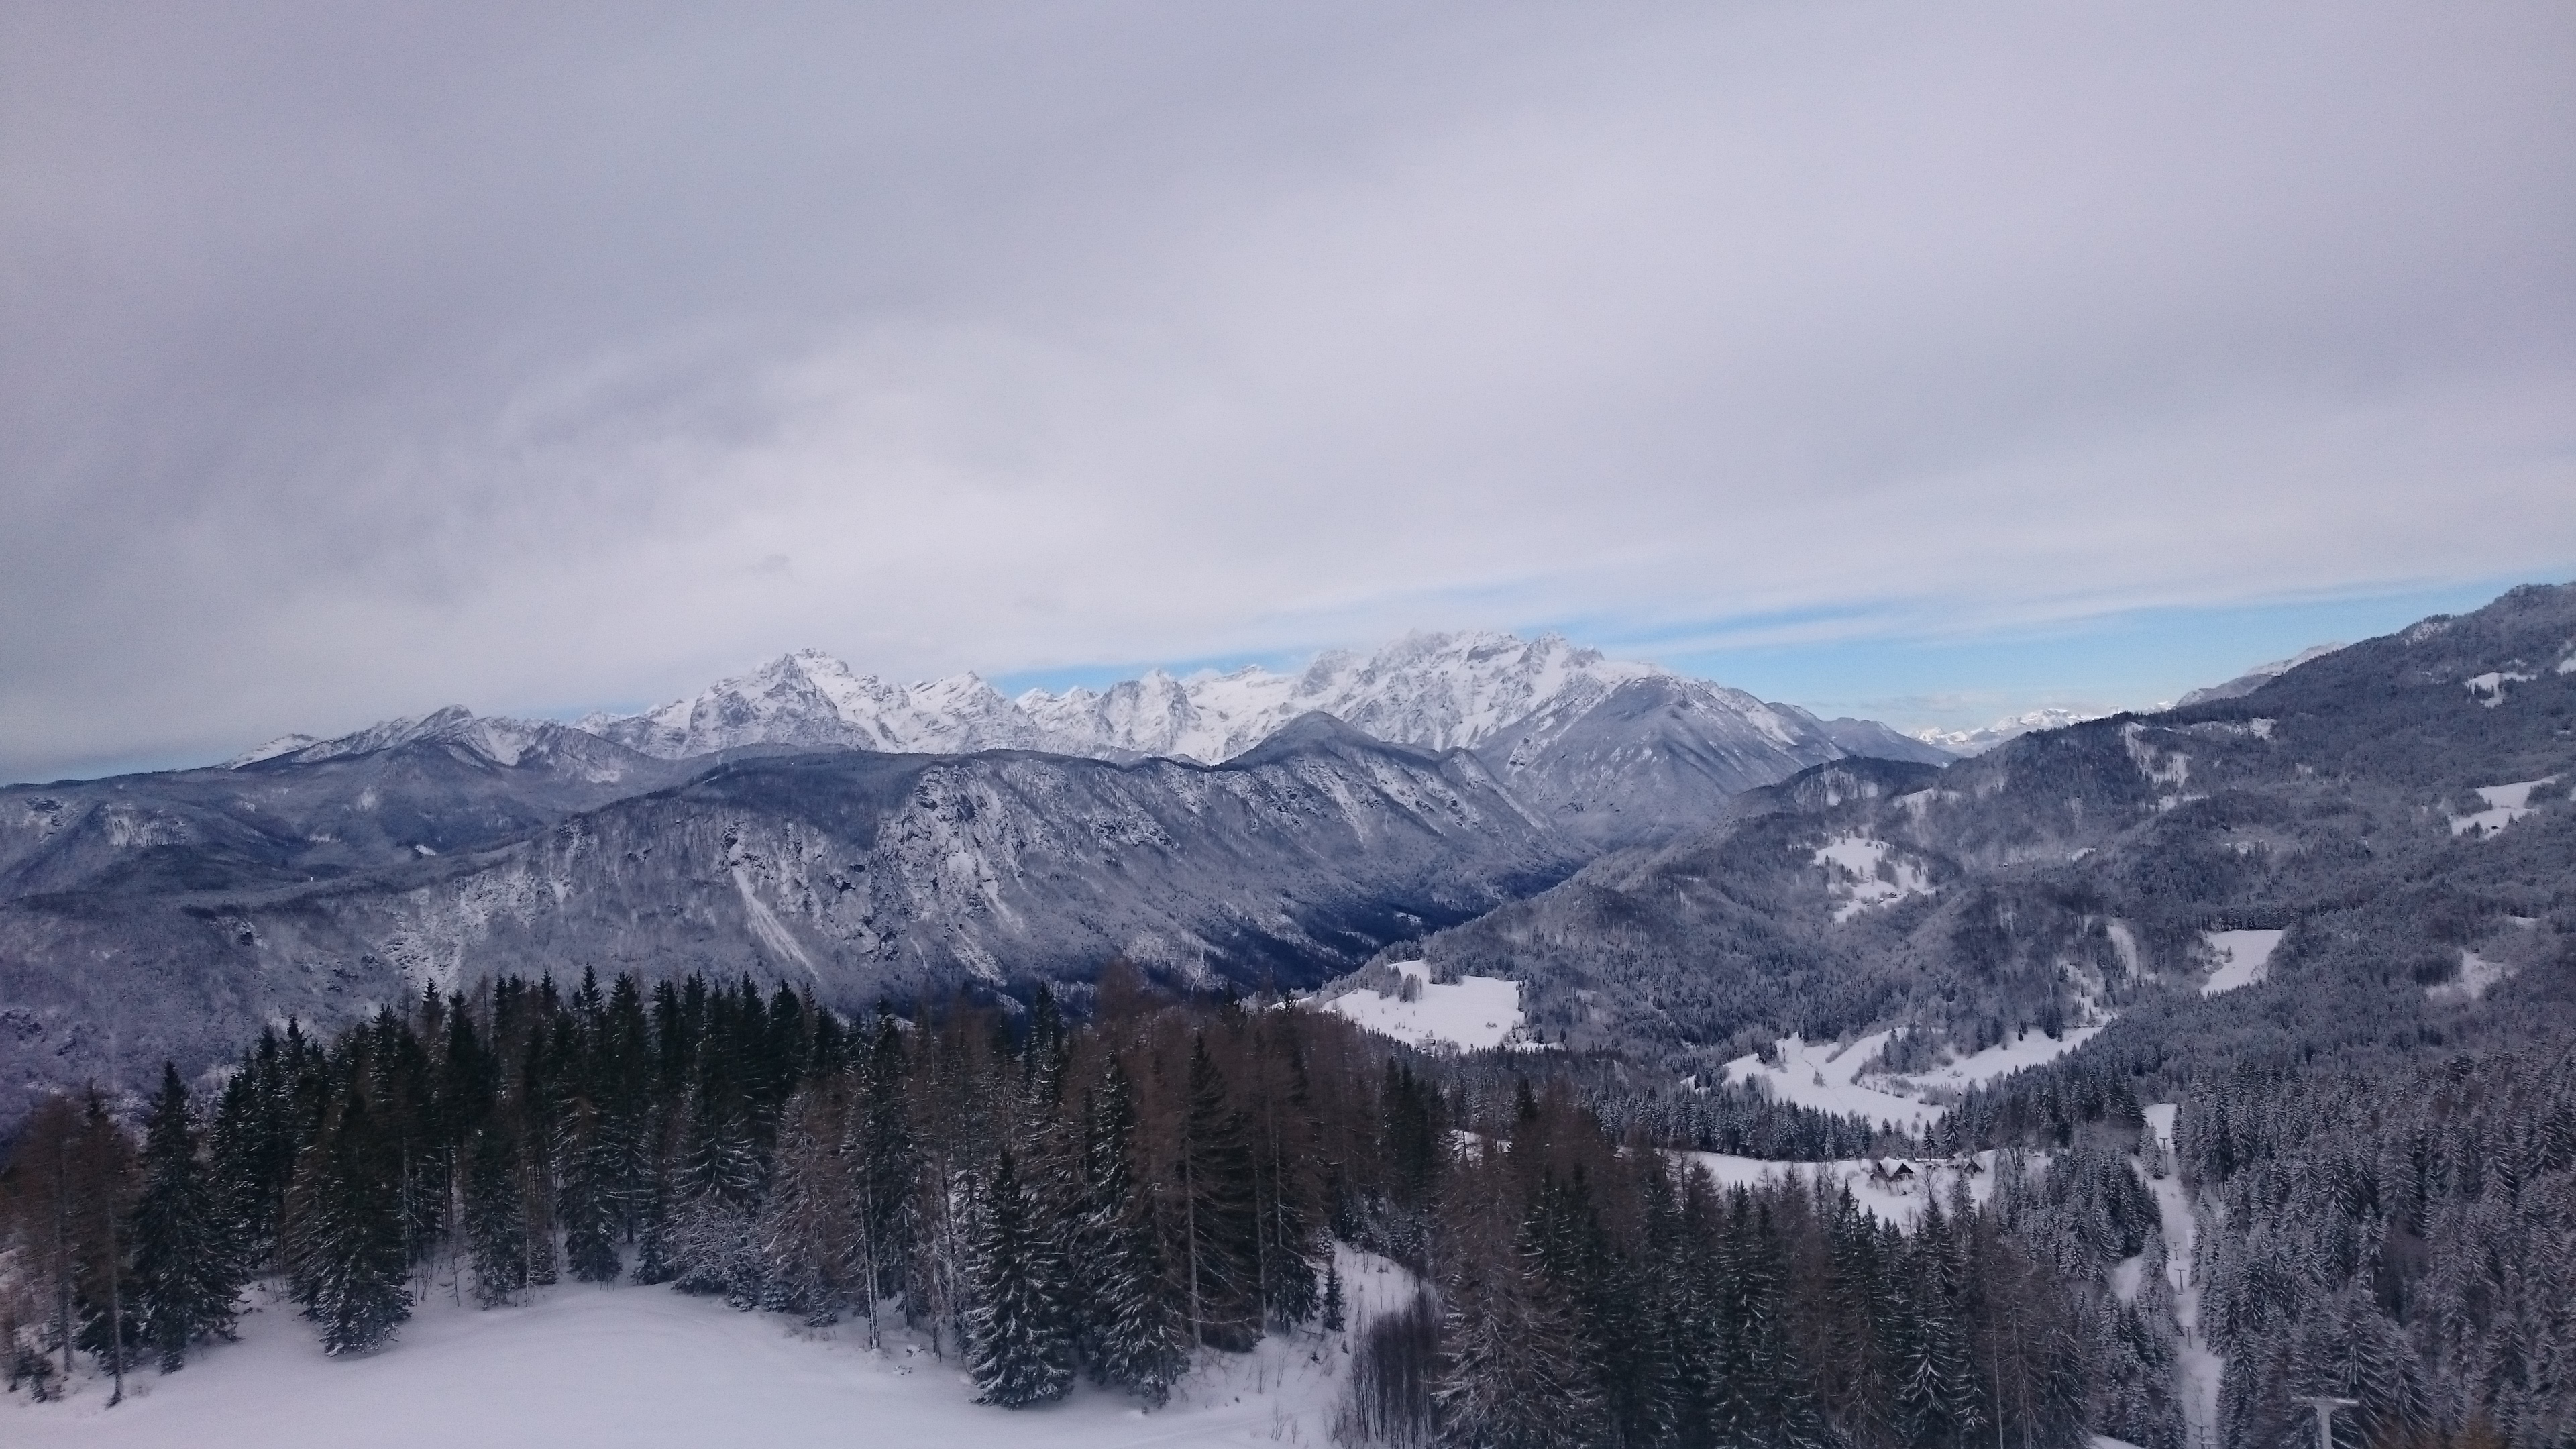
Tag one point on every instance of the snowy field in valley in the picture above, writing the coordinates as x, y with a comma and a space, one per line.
1820, 1074
2004, 1058
1472, 1013
1829, 1077
642, 1368
2244, 957
1897, 1200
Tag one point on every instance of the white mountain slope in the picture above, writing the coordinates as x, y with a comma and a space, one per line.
1986, 737
1615, 751
2254, 678
496, 738
1439, 691
813, 700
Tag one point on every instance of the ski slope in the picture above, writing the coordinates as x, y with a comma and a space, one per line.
641, 1368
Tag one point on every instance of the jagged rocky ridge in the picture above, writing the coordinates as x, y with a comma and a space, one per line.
1617, 752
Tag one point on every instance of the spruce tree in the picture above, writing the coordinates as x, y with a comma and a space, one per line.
589, 1197
1017, 1346
185, 1280
496, 1230
1514, 1374
1135, 1327
1219, 1212
346, 1254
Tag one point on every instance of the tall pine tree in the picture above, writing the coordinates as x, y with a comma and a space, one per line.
1018, 1344
185, 1278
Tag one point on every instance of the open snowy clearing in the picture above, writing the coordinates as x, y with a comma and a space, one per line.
1820, 1075
2244, 957
1897, 1200
1827, 1077
646, 1367
2505, 805
1472, 1013
2002, 1059
2477, 973
1863, 870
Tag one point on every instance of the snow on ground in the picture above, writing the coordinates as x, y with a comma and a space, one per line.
1472, 1013
1820, 1074
2505, 805
2244, 957
2000, 1060
2477, 973
647, 1367
2488, 688
2127, 1276
2199, 1367
1899, 1202
1829, 1077
2160, 1121
1862, 868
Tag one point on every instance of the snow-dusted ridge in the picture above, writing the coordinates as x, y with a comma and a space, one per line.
1978, 741
1440, 691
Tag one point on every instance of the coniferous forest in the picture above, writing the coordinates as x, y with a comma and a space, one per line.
1040, 1201
1043, 1200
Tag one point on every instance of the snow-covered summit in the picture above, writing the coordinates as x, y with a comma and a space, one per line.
809, 698
496, 738
1978, 741
1439, 691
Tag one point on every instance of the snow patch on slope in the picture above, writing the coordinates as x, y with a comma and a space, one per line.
2244, 958
2505, 805
2477, 973
1866, 874
2488, 688
1824, 1075
2030, 1049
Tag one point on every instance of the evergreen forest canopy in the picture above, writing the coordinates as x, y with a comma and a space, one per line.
1042, 1200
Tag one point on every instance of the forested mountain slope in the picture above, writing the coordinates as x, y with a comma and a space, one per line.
2398, 811
854, 874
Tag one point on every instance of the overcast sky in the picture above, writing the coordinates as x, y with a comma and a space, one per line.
358, 359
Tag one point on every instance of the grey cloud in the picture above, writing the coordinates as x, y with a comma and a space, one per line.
360, 361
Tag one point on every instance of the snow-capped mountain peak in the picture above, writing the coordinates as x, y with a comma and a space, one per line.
1978, 741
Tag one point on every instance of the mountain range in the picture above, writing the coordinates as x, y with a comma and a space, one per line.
860, 838
1617, 752
2384, 834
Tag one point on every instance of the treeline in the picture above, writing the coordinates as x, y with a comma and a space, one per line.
1044, 1201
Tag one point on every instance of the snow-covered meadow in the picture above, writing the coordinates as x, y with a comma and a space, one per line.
1471, 1013
1836, 1078
645, 1367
